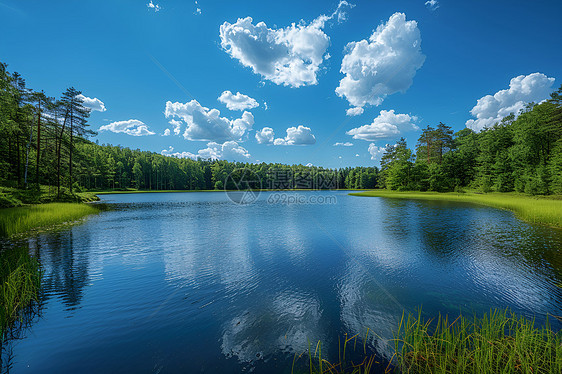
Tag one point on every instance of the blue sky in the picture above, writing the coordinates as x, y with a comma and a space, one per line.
409, 64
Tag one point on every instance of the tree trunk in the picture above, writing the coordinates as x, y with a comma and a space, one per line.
70, 147
38, 143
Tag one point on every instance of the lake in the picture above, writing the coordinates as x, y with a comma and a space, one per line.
192, 282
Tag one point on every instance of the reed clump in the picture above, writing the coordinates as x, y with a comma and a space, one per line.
496, 342
358, 364
20, 280
22, 219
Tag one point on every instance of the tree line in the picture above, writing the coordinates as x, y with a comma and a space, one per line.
44, 141
39, 134
522, 154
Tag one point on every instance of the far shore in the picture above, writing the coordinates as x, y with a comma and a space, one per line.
546, 210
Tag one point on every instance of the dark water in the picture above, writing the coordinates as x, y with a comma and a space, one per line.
191, 282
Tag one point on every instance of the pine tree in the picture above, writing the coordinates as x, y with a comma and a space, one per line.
76, 120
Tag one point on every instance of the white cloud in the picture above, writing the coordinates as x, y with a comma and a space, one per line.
197, 9
432, 4
238, 101
522, 90
265, 135
166, 132
357, 155
346, 144
375, 152
290, 56
265, 105
207, 124
177, 126
229, 150
309, 165
152, 6
301, 135
132, 127
383, 65
170, 152
385, 125
94, 104
355, 111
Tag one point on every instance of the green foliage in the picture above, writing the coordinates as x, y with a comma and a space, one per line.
43, 141
20, 280
219, 185
497, 342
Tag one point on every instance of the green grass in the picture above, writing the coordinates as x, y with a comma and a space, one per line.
497, 342
317, 364
15, 197
544, 210
23, 219
20, 280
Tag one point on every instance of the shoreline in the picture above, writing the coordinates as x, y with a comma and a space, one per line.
544, 210
27, 219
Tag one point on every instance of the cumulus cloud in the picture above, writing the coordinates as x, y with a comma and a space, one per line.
356, 111
383, 65
375, 152
207, 124
265, 135
289, 56
238, 101
152, 6
346, 144
522, 89
432, 4
300, 135
385, 125
132, 127
166, 132
170, 152
177, 126
94, 104
229, 150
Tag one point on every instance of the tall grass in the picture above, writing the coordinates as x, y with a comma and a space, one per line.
543, 210
317, 364
497, 342
22, 219
20, 280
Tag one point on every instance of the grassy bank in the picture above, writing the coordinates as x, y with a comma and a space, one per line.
20, 279
22, 219
14, 197
534, 209
498, 342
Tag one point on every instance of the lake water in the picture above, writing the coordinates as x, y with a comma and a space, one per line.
191, 282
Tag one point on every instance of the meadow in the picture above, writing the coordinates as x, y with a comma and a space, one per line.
545, 210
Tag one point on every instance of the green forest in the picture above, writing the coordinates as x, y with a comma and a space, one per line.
522, 154
44, 142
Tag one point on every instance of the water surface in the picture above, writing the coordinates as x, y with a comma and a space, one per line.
191, 282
